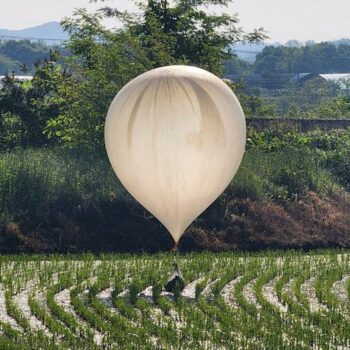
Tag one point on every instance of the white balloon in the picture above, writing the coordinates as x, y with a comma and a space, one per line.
175, 137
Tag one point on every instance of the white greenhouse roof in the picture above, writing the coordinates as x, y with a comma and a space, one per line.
340, 78
19, 77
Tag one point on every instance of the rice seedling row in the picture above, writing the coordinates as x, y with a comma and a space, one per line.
276, 300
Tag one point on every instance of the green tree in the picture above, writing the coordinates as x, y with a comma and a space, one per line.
161, 33
27, 107
12, 132
297, 100
236, 65
333, 108
182, 31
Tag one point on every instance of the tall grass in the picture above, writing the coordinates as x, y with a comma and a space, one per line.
70, 200
46, 181
283, 174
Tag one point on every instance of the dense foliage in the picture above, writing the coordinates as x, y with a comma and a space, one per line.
310, 100
314, 99
26, 108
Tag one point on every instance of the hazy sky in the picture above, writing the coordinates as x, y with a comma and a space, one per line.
282, 19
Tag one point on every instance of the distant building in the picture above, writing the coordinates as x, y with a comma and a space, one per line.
340, 78
343, 79
18, 78
269, 82
301, 78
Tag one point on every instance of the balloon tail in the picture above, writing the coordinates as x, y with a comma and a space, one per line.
175, 250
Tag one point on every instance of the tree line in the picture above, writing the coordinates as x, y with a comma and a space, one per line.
20, 56
319, 58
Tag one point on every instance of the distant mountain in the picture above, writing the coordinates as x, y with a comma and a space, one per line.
248, 51
47, 31
53, 30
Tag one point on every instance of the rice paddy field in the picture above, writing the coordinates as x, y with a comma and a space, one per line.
277, 300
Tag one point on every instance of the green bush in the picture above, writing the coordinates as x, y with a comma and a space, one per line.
47, 182
13, 131
282, 174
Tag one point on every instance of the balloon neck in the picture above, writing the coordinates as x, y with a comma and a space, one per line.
175, 251
175, 248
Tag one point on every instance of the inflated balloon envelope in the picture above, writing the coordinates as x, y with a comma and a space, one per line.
175, 137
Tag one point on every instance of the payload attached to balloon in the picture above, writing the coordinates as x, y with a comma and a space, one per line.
175, 137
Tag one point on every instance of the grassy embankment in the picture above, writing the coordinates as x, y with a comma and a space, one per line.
291, 192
